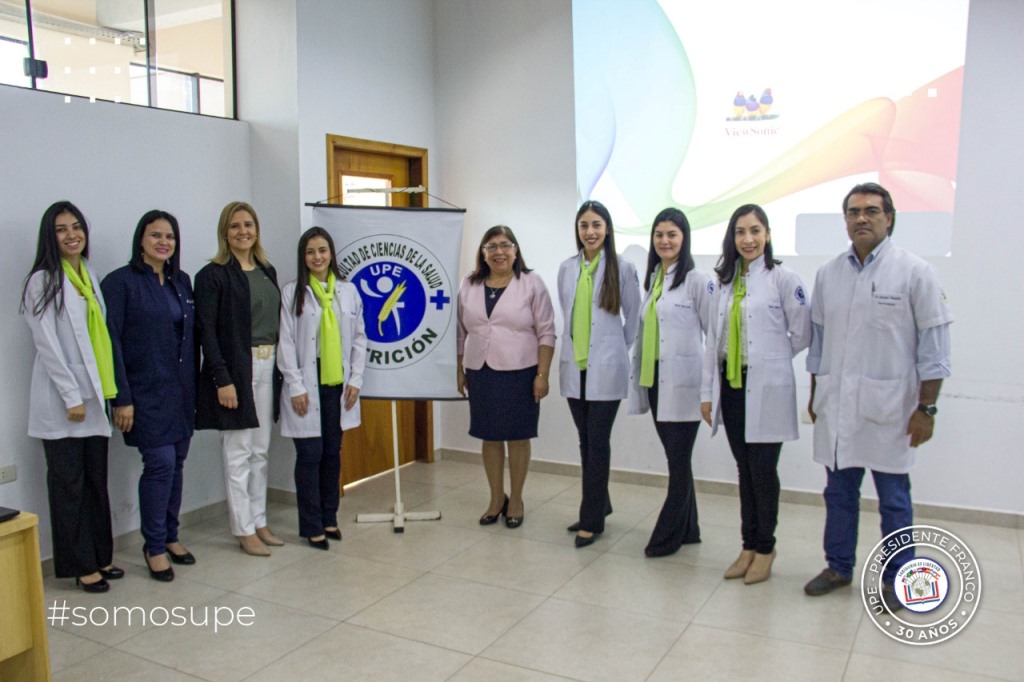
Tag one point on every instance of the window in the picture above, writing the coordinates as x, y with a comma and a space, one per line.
169, 54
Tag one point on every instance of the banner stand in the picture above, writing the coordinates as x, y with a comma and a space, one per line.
400, 516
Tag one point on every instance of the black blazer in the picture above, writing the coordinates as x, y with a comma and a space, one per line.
224, 327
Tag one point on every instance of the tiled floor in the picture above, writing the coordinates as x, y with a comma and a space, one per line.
452, 600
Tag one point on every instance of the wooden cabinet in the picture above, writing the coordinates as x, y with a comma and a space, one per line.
24, 653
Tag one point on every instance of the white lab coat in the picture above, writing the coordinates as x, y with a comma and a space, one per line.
64, 373
297, 354
610, 335
867, 385
778, 325
683, 315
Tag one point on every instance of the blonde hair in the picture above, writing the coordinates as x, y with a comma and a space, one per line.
224, 254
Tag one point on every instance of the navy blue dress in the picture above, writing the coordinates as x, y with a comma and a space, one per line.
154, 358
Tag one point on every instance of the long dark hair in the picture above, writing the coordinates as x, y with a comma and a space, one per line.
610, 298
685, 263
303, 269
48, 259
726, 268
150, 217
483, 270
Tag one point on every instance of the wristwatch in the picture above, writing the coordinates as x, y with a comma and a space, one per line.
929, 410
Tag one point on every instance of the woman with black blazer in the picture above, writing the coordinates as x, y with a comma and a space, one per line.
72, 376
600, 298
238, 306
151, 319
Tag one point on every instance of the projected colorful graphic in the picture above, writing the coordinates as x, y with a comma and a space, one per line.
707, 106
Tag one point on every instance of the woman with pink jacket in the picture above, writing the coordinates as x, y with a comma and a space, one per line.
506, 339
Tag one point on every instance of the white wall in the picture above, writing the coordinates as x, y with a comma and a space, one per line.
115, 162
366, 71
505, 97
359, 68
268, 100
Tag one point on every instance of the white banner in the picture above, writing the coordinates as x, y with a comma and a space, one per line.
405, 264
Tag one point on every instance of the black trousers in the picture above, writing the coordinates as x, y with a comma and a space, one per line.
594, 420
758, 465
76, 480
677, 524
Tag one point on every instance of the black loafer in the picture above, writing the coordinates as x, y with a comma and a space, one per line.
336, 533
889, 598
825, 582
186, 559
112, 573
100, 585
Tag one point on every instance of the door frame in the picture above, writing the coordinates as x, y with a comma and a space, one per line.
416, 157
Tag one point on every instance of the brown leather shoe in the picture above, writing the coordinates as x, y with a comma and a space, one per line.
738, 568
251, 544
825, 582
268, 538
760, 568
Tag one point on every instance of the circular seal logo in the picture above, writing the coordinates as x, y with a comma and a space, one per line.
936, 589
407, 297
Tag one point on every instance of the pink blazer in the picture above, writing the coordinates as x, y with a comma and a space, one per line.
522, 321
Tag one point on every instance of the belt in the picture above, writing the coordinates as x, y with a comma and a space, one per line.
263, 352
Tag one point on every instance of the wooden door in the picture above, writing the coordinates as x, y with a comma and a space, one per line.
369, 448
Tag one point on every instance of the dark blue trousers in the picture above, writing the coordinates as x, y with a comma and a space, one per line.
318, 468
160, 494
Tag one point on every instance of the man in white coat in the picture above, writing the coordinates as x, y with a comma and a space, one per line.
879, 351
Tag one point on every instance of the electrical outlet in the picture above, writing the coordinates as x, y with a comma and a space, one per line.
8, 473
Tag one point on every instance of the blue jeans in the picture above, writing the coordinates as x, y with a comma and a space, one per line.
160, 494
842, 514
318, 468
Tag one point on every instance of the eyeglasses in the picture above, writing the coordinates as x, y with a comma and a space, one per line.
502, 246
871, 212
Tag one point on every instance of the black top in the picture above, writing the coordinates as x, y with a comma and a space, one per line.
224, 327
491, 298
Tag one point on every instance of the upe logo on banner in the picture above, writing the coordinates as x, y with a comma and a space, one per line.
407, 297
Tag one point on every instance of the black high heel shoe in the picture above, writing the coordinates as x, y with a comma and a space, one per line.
584, 541
97, 587
112, 573
318, 544
164, 576
488, 519
186, 559
333, 533
514, 521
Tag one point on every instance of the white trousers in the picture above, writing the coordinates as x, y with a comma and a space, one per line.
245, 455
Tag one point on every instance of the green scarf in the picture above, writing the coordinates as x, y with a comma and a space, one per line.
581, 309
332, 373
734, 350
99, 336
649, 352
